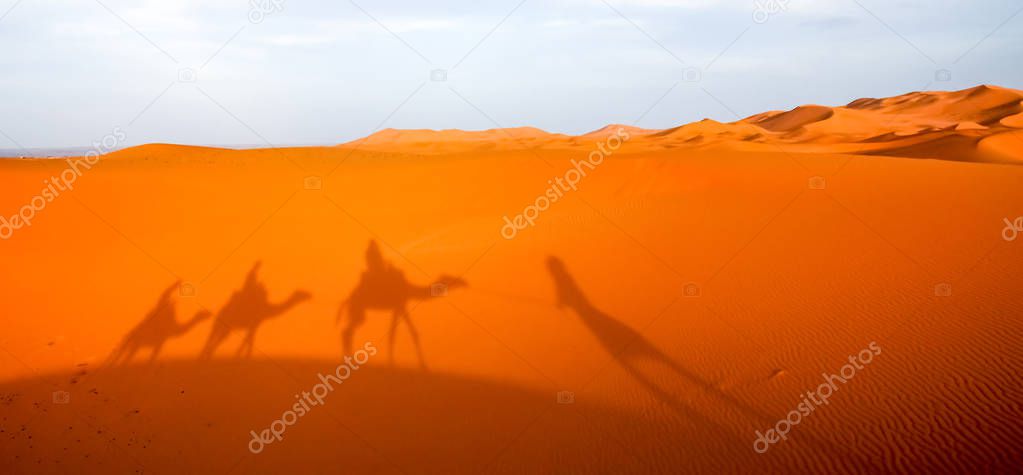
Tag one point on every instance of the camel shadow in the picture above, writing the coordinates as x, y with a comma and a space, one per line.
158, 326
627, 346
245, 311
382, 286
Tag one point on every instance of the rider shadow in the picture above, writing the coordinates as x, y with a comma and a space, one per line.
158, 326
627, 346
246, 310
382, 286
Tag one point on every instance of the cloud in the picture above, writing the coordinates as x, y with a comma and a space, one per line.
831, 22
796, 7
591, 23
333, 31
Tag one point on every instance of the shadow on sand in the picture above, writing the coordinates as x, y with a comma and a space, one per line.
198, 417
158, 326
382, 286
627, 346
247, 309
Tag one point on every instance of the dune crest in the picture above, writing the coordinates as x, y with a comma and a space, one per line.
968, 125
917, 125
614, 128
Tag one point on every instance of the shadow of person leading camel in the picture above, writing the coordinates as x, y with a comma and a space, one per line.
158, 326
627, 346
382, 286
246, 310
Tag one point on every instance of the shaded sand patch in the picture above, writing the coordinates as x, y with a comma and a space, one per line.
191, 417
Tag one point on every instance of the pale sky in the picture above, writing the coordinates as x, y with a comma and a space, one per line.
326, 72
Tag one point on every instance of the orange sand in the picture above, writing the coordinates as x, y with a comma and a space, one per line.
698, 288
939, 125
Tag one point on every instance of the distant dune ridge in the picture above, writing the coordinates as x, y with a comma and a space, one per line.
977, 124
980, 124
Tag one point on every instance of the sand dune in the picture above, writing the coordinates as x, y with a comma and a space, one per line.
1006, 146
937, 125
794, 119
611, 129
1014, 121
689, 292
448, 141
